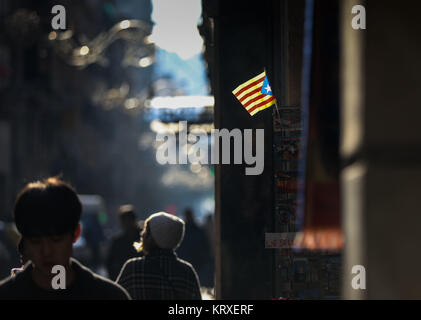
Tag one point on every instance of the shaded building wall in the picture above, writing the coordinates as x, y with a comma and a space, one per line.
381, 145
242, 39
51, 123
243, 203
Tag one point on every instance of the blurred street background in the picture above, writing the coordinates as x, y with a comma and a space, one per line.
82, 103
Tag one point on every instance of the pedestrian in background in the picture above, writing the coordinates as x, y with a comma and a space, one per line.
196, 248
160, 274
121, 248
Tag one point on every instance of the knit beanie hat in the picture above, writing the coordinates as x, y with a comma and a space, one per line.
167, 230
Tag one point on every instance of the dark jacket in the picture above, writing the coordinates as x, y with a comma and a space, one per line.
195, 247
121, 250
86, 286
160, 275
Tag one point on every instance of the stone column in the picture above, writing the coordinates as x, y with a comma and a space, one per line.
381, 149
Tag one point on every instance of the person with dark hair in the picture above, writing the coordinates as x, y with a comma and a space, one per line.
196, 248
121, 248
160, 274
22, 257
47, 215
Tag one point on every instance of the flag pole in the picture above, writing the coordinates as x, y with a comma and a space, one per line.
276, 103
277, 110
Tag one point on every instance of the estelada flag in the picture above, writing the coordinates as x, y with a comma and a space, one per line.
255, 94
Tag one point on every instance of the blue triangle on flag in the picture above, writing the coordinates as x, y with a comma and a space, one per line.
266, 89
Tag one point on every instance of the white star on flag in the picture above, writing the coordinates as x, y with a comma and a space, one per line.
254, 94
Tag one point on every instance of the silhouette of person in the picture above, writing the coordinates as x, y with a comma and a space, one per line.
121, 248
160, 274
195, 247
47, 215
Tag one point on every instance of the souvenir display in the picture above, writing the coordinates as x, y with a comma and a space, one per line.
303, 274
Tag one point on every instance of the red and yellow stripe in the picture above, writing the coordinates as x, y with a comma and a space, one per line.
250, 96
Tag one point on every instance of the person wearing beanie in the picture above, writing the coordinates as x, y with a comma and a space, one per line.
160, 274
47, 215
